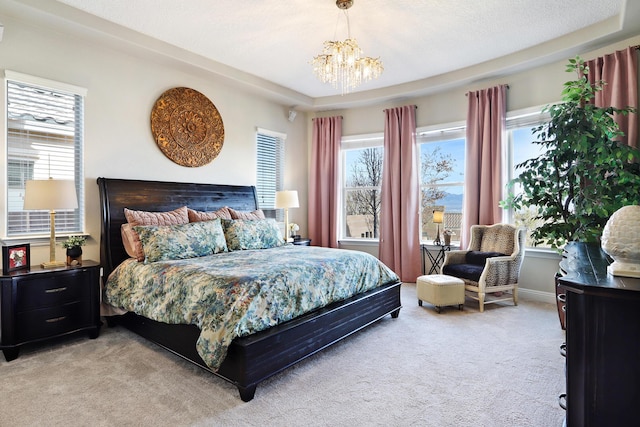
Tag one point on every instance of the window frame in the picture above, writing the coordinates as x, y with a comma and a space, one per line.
268, 205
77, 225
436, 134
530, 117
350, 143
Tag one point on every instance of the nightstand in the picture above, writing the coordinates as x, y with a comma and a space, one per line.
39, 304
437, 260
302, 242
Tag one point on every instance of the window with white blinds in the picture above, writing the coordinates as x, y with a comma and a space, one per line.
270, 168
44, 139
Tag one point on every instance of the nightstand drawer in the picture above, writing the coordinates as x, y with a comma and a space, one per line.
52, 321
50, 291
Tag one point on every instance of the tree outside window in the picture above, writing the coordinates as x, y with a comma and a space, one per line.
441, 181
363, 193
441, 184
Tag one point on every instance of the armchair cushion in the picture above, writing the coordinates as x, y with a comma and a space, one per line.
498, 238
479, 257
472, 267
464, 271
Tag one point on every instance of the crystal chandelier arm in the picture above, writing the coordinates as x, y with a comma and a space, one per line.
341, 61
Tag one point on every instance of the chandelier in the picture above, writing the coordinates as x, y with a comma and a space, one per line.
341, 62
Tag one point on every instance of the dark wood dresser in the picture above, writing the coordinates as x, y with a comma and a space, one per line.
602, 340
39, 304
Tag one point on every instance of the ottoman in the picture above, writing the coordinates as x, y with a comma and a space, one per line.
440, 290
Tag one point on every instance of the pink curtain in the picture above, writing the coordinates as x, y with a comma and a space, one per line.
486, 118
323, 181
400, 206
619, 71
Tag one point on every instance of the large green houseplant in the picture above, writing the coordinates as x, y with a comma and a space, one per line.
583, 175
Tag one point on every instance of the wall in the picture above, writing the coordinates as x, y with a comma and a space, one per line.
122, 89
123, 85
535, 87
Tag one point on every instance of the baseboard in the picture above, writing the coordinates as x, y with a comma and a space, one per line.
526, 294
533, 295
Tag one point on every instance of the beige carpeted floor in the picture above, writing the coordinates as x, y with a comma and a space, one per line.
459, 368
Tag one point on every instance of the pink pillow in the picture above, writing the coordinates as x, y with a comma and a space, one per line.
128, 240
198, 216
257, 214
175, 217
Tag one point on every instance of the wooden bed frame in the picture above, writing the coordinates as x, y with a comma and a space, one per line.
249, 359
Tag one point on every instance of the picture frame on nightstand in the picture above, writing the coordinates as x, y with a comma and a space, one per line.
15, 258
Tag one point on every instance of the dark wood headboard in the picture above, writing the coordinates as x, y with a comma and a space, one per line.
158, 196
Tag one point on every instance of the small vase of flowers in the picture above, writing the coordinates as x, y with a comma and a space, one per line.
447, 236
293, 229
74, 244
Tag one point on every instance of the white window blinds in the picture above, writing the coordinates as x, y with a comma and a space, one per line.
270, 167
44, 139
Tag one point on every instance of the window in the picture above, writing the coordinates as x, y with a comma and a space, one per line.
270, 171
519, 149
442, 157
361, 186
44, 139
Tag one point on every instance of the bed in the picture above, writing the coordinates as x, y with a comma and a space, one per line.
248, 359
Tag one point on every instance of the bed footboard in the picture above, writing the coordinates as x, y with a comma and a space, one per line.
252, 359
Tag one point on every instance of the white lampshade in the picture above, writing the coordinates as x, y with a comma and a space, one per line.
287, 199
438, 217
50, 194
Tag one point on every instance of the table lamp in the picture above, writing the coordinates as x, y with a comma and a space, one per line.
438, 218
51, 194
287, 199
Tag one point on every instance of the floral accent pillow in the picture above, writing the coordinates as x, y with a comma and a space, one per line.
181, 241
176, 216
252, 234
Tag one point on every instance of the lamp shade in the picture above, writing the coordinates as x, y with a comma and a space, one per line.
438, 217
287, 199
50, 194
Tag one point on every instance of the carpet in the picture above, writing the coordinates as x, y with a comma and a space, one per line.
458, 368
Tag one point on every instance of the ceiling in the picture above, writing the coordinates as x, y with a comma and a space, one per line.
425, 45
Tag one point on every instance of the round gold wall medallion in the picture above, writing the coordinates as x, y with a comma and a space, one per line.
187, 127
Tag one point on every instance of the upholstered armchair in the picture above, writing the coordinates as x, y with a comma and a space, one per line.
491, 264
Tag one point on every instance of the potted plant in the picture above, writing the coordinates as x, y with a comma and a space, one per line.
584, 175
74, 244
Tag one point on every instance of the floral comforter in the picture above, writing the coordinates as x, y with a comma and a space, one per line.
241, 292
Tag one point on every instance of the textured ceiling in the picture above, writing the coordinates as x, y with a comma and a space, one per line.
419, 41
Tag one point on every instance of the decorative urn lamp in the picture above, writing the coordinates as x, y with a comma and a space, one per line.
621, 241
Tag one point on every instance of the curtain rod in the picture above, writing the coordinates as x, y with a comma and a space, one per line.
467, 93
327, 117
387, 109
